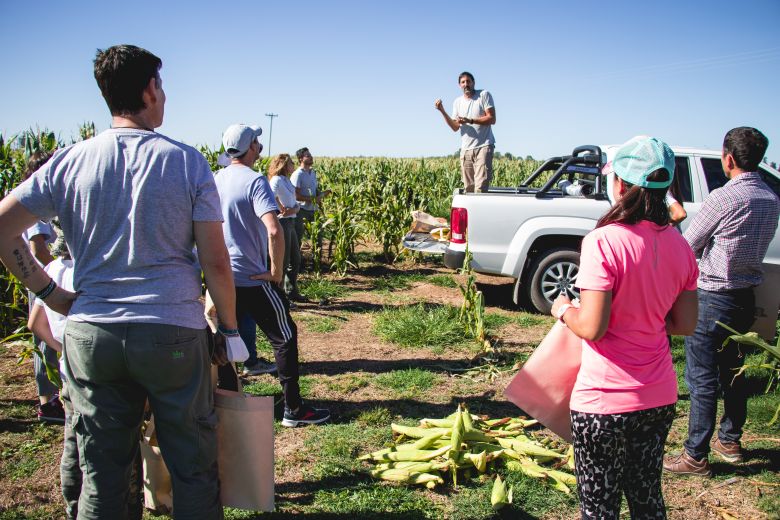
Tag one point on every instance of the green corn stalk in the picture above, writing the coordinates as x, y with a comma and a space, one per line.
773, 358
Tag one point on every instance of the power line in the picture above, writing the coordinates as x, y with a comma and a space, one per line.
271, 131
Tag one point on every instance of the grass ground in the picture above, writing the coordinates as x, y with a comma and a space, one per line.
378, 346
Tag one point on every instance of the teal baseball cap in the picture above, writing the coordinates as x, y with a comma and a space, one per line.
641, 156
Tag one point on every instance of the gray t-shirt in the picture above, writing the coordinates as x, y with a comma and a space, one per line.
245, 196
474, 136
307, 183
126, 200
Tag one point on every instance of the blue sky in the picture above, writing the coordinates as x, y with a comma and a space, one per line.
360, 78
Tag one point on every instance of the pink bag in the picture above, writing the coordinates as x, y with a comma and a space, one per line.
543, 387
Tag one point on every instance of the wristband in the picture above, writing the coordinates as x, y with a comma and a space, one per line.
562, 310
227, 332
46, 291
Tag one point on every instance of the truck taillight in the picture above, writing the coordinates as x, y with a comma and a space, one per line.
459, 221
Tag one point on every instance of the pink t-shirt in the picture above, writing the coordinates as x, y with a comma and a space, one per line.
646, 266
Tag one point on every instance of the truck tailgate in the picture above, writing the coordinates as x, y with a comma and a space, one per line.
424, 243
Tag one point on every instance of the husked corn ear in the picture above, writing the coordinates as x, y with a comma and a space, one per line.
529, 448
479, 460
412, 455
499, 497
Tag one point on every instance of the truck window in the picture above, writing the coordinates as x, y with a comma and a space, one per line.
682, 177
713, 172
771, 181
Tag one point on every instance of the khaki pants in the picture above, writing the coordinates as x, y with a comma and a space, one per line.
476, 167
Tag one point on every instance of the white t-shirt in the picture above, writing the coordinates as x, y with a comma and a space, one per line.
61, 271
285, 191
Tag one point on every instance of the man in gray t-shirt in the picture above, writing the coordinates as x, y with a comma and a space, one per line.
473, 114
253, 232
132, 204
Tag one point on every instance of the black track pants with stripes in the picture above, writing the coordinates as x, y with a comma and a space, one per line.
269, 307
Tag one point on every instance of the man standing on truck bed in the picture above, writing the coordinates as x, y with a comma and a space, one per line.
473, 114
731, 232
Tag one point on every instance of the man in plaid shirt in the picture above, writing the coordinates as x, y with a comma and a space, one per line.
731, 233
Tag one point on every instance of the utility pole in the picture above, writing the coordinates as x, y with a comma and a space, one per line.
271, 131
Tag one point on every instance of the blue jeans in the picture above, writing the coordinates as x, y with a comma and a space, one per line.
710, 369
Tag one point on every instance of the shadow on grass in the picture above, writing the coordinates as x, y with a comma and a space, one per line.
378, 366
11, 421
344, 411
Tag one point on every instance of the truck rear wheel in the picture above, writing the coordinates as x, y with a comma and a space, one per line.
552, 272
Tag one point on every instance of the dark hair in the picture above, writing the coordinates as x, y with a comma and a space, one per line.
639, 203
300, 152
36, 160
747, 145
469, 74
122, 73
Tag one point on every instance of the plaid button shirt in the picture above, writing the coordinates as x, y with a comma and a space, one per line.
732, 232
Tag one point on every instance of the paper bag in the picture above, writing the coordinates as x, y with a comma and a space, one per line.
543, 387
158, 494
245, 438
424, 223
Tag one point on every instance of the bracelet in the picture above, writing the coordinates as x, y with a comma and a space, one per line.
226, 332
46, 291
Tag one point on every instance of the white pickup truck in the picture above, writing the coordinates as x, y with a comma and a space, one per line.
533, 234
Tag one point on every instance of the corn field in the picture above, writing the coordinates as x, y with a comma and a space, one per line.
371, 202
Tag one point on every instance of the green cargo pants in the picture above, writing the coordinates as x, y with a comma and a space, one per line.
111, 370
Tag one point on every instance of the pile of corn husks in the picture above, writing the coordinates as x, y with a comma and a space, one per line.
465, 444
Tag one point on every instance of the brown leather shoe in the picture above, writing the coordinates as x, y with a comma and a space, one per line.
684, 464
728, 451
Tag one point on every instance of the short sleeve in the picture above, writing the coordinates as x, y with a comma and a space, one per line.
206, 207
597, 263
693, 277
296, 178
263, 199
275, 184
487, 100
669, 199
41, 228
35, 194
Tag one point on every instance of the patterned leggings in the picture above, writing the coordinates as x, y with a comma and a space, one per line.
617, 453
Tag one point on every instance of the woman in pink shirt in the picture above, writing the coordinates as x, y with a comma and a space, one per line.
637, 284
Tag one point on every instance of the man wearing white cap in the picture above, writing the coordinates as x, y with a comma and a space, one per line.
252, 233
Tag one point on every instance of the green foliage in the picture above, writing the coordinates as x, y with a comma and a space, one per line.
372, 501
334, 447
395, 282
270, 387
420, 326
407, 383
526, 319
378, 417
319, 288
321, 325
443, 280
347, 383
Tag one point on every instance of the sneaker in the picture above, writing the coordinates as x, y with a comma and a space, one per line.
305, 415
297, 297
261, 367
684, 464
52, 412
728, 451
293, 305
